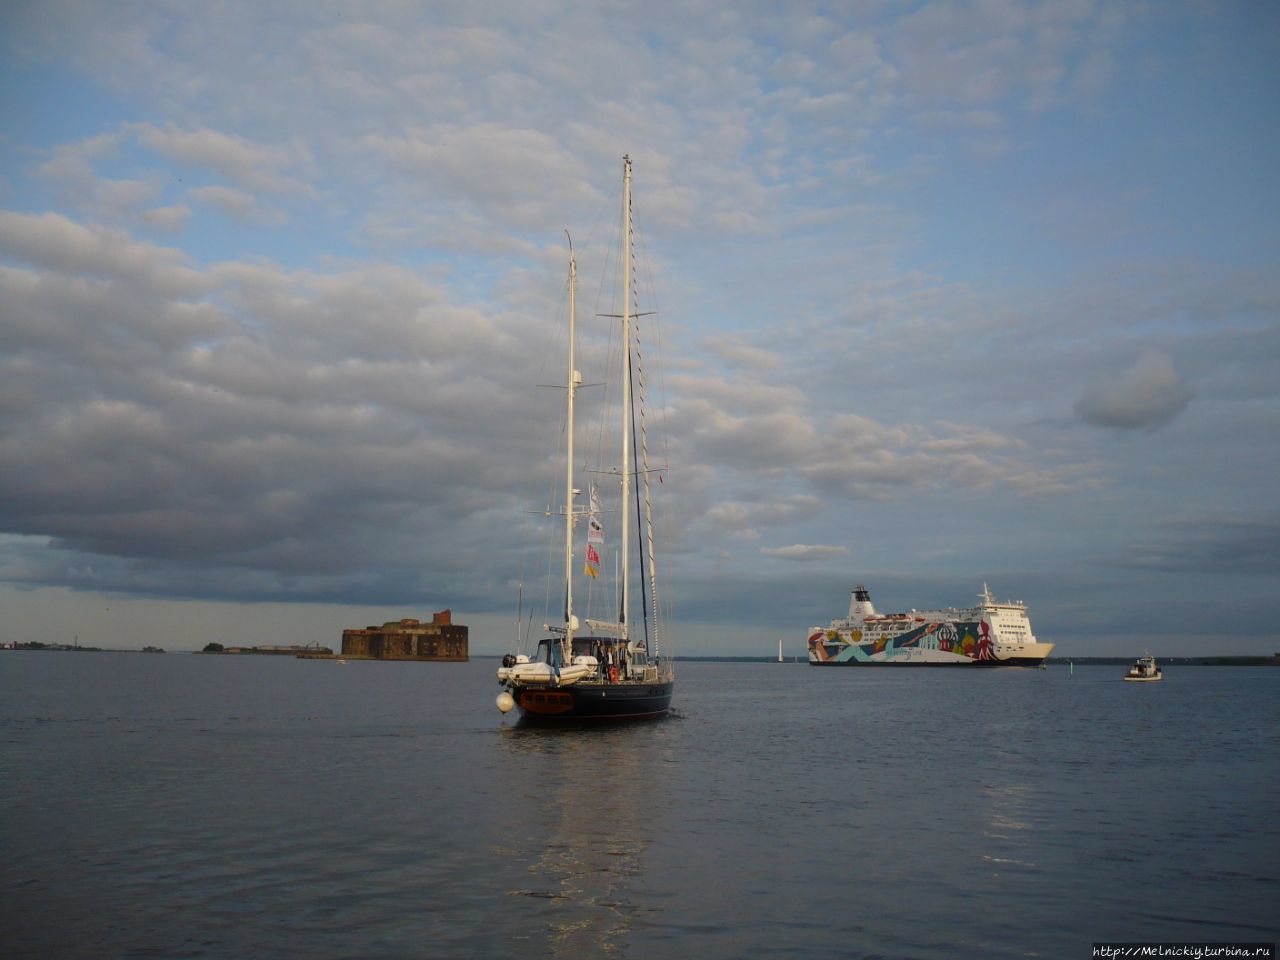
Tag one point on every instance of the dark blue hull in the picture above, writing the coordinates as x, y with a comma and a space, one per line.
588, 701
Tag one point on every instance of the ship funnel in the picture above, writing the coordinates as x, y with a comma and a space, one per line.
860, 605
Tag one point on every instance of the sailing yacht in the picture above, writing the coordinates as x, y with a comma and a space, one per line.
618, 668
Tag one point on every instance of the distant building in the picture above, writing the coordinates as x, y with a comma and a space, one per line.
409, 639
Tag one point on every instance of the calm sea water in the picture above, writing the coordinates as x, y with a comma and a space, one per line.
216, 807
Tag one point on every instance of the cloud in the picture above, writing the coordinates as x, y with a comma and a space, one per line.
735, 352
986, 54
56, 243
507, 175
162, 434
1147, 395
238, 204
804, 553
235, 158
170, 219
743, 519
73, 168
1225, 546
862, 459
258, 432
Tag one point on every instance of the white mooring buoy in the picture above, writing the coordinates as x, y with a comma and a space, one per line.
506, 702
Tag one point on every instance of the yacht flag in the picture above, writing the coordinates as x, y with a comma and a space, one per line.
595, 533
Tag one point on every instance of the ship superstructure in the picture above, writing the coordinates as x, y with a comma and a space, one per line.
991, 633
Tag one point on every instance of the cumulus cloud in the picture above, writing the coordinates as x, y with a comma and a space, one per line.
986, 54
172, 436
1147, 395
73, 167
256, 166
743, 519
175, 427
169, 219
862, 459
506, 174
1220, 545
737, 353
239, 204
62, 246
804, 553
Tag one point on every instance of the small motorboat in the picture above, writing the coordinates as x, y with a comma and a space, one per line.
1144, 668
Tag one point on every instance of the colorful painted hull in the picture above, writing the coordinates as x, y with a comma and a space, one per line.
948, 643
588, 701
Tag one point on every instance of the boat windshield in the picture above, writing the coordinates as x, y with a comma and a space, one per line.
604, 649
548, 652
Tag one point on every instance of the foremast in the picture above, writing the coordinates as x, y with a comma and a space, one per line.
572, 380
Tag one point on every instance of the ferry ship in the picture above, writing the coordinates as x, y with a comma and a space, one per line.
989, 634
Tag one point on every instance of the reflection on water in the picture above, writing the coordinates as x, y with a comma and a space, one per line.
583, 825
1010, 810
1010, 807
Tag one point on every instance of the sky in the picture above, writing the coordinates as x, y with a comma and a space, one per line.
949, 293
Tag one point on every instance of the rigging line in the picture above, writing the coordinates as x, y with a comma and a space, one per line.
603, 351
660, 346
607, 292
519, 613
640, 543
524, 569
659, 603
546, 596
647, 540
553, 481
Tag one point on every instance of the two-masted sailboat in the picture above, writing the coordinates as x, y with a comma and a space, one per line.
614, 669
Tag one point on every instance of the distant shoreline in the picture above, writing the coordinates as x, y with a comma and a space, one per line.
1226, 661
37, 647
1232, 661
1245, 661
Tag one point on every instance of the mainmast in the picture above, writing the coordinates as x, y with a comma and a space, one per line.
624, 614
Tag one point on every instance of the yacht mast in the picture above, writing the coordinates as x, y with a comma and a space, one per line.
572, 381
624, 615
